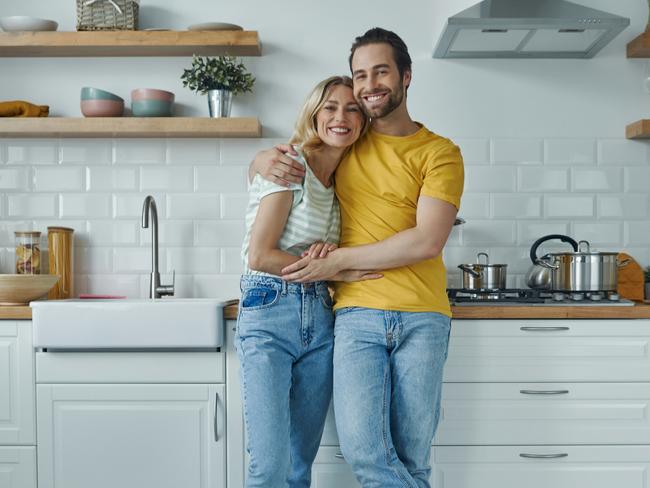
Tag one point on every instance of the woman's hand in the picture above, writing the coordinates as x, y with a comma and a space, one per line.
274, 165
319, 250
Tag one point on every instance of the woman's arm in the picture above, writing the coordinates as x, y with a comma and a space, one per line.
271, 218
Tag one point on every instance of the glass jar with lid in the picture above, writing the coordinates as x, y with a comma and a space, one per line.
28, 252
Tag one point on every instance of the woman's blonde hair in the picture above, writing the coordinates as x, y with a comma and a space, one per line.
305, 133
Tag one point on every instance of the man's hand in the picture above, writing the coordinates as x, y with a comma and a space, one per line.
319, 250
274, 165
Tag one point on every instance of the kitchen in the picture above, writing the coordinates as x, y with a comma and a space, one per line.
543, 143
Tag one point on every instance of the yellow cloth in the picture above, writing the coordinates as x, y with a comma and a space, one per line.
20, 108
378, 185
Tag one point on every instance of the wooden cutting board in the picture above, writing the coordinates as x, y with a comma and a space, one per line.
631, 279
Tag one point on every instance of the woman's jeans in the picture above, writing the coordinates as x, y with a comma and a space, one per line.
285, 337
387, 384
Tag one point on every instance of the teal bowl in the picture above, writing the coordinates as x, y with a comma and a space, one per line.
90, 93
151, 108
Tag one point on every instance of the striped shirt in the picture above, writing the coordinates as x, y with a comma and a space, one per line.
314, 214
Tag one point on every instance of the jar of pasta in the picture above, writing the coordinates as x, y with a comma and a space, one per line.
28, 252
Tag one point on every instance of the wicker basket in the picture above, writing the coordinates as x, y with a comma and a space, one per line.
95, 15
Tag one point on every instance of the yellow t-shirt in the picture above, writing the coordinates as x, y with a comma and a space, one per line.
378, 185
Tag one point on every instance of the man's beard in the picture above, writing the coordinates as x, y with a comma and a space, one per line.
394, 101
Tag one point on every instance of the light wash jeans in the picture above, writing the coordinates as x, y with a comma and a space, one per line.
285, 336
387, 385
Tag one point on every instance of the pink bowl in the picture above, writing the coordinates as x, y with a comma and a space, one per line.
102, 108
151, 94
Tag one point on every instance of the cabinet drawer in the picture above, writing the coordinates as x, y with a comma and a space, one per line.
504, 467
548, 350
18, 467
544, 413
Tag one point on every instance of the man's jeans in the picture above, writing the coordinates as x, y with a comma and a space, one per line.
387, 384
285, 336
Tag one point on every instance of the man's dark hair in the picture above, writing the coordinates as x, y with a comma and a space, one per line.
377, 35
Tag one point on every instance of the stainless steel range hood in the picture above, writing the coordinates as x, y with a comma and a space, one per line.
528, 29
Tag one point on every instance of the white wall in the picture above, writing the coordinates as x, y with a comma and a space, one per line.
543, 141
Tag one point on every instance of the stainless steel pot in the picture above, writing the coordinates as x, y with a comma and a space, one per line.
583, 270
538, 275
484, 276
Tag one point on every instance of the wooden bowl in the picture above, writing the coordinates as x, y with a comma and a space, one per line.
21, 289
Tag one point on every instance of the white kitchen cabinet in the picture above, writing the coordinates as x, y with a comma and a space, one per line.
17, 414
131, 436
18, 466
331, 471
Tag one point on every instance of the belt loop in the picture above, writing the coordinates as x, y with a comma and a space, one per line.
285, 287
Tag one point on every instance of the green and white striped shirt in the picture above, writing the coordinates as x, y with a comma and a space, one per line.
314, 214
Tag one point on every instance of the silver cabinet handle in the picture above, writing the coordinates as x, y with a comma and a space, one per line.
216, 418
542, 329
543, 456
544, 392
339, 455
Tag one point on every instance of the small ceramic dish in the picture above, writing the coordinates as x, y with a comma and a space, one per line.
18, 23
214, 26
151, 94
102, 108
90, 93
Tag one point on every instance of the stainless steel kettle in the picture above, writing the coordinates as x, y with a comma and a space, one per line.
539, 274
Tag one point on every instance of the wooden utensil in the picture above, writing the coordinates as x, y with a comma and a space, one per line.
630, 279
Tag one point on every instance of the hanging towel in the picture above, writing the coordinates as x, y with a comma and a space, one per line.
20, 108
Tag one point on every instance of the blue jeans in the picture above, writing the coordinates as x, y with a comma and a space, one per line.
387, 385
285, 337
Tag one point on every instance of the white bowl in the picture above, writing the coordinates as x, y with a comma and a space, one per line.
19, 23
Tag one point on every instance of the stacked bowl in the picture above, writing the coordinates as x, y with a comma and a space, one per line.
148, 102
100, 103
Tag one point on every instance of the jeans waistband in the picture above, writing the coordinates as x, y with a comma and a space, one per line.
315, 288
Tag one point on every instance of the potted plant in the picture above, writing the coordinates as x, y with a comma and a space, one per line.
220, 78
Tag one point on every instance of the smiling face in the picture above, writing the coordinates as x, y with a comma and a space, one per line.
378, 85
339, 121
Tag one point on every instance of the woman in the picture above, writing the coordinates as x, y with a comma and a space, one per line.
285, 330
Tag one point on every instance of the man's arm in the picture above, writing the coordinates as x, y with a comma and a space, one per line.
274, 165
434, 221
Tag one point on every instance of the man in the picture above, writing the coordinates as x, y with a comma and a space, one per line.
399, 190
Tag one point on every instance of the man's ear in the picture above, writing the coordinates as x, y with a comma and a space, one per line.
406, 79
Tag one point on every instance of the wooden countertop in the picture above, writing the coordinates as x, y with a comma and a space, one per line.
22, 312
639, 311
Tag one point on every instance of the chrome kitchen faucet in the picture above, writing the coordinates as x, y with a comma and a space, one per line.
156, 290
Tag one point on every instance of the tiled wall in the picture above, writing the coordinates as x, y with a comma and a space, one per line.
516, 191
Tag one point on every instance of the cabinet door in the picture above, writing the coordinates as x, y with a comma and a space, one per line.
548, 350
131, 436
17, 416
578, 467
331, 471
18, 467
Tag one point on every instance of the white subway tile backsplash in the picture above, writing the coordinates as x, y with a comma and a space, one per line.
220, 179
233, 205
113, 284
59, 179
7, 229
86, 151
474, 151
637, 233
622, 151
130, 206
488, 232
102, 178
517, 258
192, 151
227, 233
193, 206
529, 232
29, 151
520, 151
110, 232
79, 234
603, 180
242, 151
85, 205
140, 151
183, 284
193, 260
542, 179
93, 259
29, 205
516, 206
633, 206
231, 261
570, 152
636, 179
135, 260
14, 179
568, 206
599, 234
216, 286
489, 179
166, 178
475, 206
171, 233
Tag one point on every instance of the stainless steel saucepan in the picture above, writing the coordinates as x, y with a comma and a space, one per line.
484, 276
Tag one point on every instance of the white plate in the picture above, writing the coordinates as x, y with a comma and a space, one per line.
19, 23
156, 29
214, 26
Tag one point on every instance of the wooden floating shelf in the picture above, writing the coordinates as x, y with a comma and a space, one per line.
638, 130
203, 127
639, 47
129, 43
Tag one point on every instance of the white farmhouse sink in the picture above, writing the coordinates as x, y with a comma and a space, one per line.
170, 323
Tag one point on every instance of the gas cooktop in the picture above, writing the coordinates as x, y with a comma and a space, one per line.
530, 297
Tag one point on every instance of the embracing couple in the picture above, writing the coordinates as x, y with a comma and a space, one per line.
363, 198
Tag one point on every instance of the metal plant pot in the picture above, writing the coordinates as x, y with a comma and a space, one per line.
219, 103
